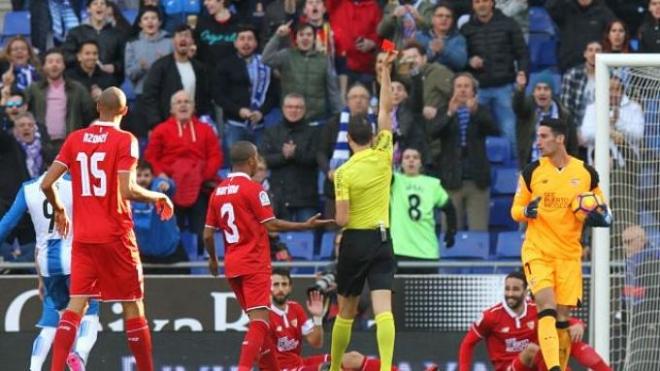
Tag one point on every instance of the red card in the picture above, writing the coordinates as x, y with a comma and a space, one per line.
387, 45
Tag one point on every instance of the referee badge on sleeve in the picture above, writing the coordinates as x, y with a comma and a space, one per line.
263, 198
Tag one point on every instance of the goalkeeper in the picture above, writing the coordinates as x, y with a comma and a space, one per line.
552, 251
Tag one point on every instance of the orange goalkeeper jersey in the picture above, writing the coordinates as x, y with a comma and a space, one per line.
556, 231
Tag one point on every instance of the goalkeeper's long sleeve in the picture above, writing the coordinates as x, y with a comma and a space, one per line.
466, 351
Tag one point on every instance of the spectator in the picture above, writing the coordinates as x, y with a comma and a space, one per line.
463, 167
171, 73
13, 103
354, 24
649, 31
186, 150
407, 124
20, 66
290, 152
443, 43
579, 22
110, 40
215, 34
578, 87
116, 18
51, 21
333, 147
517, 10
324, 39
403, 20
60, 104
631, 12
245, 89
495, 47
278, 12
27, 135
305, 71
150, 44
638, 250
436, 77
626, 134
530, 111
88, 72
616, 38
414, 200
159, 240
135, 27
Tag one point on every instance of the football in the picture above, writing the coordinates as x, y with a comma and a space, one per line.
584, 203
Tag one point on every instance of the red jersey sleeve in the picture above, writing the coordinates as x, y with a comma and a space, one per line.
129, 153
65, 157
259, 203
212, 214
483, 325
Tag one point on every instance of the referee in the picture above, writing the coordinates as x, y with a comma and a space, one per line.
362, 190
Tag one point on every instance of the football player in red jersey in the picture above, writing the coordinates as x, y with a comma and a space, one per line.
509, 329
242, 211
105, 262
289, 324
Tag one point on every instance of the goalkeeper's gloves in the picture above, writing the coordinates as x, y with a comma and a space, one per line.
599, 217
450, 238
531, 210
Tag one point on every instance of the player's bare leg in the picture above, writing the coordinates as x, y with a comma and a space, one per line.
547, 330
67, 331
137, 334
382, 305
563, 315
257, 342
341, 331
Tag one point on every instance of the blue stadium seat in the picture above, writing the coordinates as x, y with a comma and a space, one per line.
127, 88
130, 15
498, 149
542, 39
16, 23
469, 245
505, 180
509, 245
300, 244
224, 172
500, 213
327, 246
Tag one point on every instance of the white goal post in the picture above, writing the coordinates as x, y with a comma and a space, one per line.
601, 290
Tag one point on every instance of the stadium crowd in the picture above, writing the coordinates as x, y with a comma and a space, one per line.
473, 80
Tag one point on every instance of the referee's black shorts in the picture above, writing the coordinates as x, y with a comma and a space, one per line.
364, 256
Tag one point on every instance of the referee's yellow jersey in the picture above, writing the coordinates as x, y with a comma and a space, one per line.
365, 180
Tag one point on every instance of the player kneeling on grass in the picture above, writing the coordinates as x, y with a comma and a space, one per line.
509, 329
552, 251
289, 324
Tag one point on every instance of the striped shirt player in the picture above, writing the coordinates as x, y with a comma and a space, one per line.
53, 262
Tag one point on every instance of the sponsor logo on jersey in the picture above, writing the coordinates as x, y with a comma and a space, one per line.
514, 345
263, 198
285, 344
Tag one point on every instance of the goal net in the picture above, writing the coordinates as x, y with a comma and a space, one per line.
627, 152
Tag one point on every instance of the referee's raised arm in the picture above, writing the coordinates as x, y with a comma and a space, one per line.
386, 105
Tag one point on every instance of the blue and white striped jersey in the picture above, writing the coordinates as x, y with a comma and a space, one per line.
53, 254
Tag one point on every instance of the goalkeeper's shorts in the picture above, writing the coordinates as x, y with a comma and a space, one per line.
564, 276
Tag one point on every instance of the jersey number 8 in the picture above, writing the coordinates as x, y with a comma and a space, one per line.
91, 164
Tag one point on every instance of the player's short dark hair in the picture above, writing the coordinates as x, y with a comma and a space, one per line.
241, 152
88, 42
144, 165
360, 130
519, 275
412, 44
284, 272
558, 127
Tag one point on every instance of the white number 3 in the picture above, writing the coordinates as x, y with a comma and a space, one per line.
91, 164
231, 235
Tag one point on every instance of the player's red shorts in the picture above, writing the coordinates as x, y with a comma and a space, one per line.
110, 271
516, 365
252, 290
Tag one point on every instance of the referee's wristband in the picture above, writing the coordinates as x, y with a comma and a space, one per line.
317, 320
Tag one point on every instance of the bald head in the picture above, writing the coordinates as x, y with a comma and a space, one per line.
241, 152
112, 102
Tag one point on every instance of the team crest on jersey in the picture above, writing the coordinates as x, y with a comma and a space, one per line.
263, 198
575, 182
278, 329
531, 325
294, 323
505, 330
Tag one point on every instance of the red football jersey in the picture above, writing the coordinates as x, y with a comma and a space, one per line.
94, 156
506, 333
288, 327
239, 207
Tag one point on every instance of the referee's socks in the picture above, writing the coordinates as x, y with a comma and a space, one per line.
385, 338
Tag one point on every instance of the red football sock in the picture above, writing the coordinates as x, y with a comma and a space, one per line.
64, 338
373, 364
139, 341
586, 356
269, 354
252, 343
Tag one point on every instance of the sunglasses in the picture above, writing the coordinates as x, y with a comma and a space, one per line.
13, 104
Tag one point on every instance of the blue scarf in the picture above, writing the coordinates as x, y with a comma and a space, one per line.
342, 151
260, 81
25, 75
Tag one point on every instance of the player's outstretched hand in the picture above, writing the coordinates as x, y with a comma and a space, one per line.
450, 238
531, 211
164, 207
61, 222
315, 303
599, 217
315, 221
213, 267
